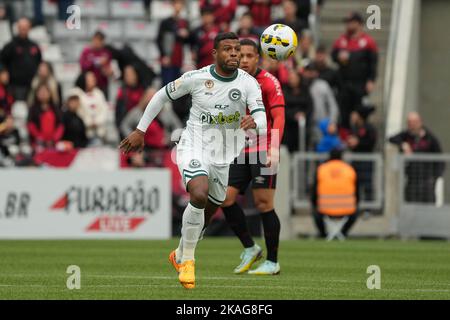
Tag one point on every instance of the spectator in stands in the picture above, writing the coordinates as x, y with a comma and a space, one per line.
45, 127
298, 106
335, 193
21, 56
261, 11
9, 136
173, 34
202, 39
306, 51
329, 136
362, 139
97, 58
304, 9
356, 53
326, 70
154, 137
128, 95
74, 128
45, 75
125, 57
223, 11
94, 107
246, 29
6, 98
290, 17
421, 175
324, 102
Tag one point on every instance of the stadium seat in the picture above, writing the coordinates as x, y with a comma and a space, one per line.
334, 227
91, 8
66, 73
140, 30
19, 112
161, 10
61, 32
127, 9
112, 29
49, 8
5, 32
51, 52
72, 50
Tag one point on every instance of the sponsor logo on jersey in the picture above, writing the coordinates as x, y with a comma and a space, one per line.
194, 163
209, 84
220, 118
172, 88
234, 94
221, 106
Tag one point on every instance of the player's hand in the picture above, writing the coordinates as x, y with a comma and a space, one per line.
370, 85
248, 122
273, 158
134, 142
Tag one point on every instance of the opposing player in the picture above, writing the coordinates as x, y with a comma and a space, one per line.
221, 94
263, 181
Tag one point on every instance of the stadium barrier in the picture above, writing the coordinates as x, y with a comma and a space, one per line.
73, 204
369, 167
424, 202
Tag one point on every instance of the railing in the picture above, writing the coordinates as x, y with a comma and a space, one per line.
369, 167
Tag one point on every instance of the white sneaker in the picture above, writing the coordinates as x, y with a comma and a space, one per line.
248, 256
267, 268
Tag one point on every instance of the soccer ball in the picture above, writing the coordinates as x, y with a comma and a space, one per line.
278, 41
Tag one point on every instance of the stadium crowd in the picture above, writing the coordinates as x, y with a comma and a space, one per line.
325, 88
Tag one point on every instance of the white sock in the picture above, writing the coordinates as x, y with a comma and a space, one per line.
193, 221
179, 250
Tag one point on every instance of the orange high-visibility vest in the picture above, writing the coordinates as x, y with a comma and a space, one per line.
336, 188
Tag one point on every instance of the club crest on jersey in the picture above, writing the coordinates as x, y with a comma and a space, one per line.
209, 84
194, 163
234, 94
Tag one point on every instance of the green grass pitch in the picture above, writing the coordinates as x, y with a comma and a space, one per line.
310, 269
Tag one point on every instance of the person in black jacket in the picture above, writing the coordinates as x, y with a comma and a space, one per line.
421, 175
74, 128
362, 138
298, 105
21, 57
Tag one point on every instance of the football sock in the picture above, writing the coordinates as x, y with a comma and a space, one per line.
271, 225
236, 220
179, 250
193, 220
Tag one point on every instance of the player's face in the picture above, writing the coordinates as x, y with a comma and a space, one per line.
249, 59
228, 55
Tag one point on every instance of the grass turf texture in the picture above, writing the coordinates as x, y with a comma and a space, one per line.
310, 269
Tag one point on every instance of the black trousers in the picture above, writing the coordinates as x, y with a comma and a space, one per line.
318, 220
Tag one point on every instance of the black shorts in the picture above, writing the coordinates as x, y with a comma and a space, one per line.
242, 173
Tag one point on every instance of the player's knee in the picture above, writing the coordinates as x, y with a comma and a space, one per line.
199, 197
264, 205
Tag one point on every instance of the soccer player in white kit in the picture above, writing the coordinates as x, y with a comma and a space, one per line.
214, 136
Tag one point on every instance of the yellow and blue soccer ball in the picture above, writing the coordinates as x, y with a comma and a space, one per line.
278, 42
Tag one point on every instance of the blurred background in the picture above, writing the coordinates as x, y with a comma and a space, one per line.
369, 77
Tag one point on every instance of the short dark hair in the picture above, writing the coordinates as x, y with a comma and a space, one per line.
336, 154
250, 42
206, 10
99, 34
224, 36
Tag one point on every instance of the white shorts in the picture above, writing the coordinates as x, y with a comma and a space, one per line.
191, 167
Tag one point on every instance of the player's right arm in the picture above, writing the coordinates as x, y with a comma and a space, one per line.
171, 92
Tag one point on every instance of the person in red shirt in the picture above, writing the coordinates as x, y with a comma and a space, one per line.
128, 95
97, 58
260, 10
257, 164
44, 120
202, 39
223, 11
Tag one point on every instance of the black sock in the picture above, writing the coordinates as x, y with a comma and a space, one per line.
236, 220
271, 225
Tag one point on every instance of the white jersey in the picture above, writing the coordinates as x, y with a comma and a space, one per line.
218, 105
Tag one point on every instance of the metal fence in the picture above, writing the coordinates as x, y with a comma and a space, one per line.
424, 196
369, 168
